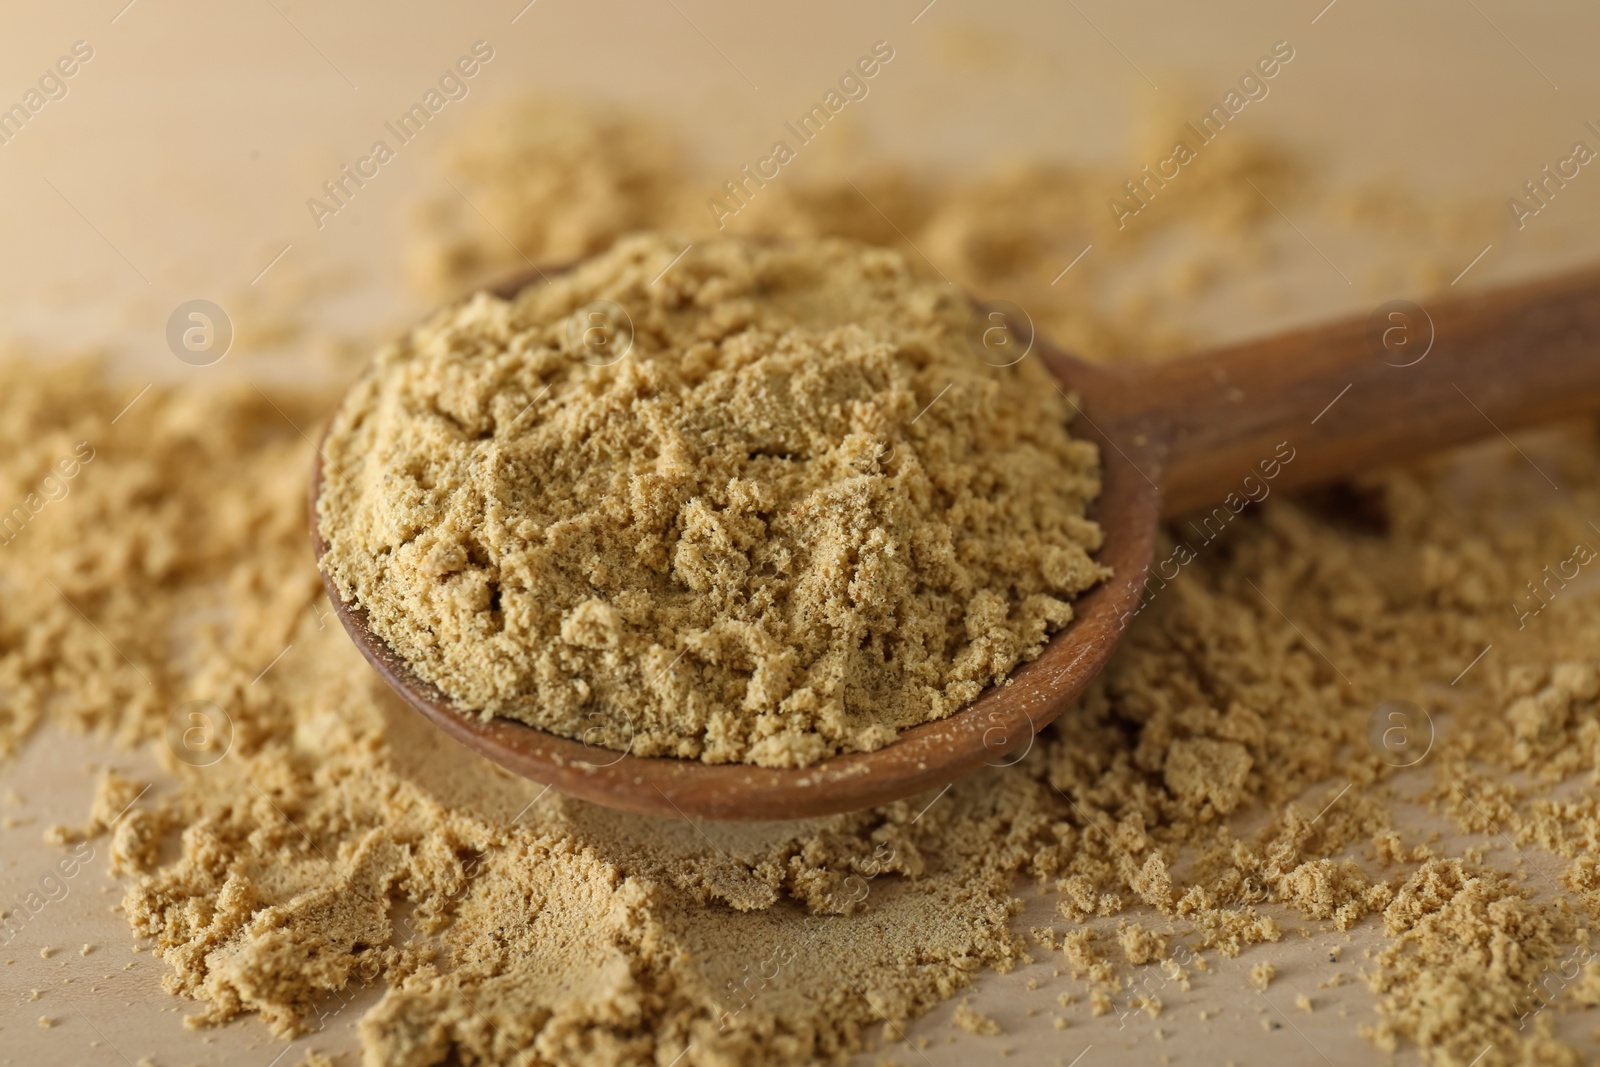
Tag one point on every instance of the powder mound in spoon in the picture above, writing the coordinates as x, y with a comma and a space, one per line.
761, 502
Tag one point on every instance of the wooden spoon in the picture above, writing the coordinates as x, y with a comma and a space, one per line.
1206, 432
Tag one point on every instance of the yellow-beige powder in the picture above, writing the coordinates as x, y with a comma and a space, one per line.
341, 844
744, 501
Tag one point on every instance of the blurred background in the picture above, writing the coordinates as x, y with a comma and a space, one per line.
180, 160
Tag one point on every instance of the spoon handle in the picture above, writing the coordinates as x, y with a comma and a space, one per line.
1363, 392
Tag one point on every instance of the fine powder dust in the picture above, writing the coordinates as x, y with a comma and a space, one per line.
342, 846
775, 509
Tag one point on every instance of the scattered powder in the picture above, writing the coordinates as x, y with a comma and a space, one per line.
1140, 945
973, 1021
1467, 946
342, 844
796, 514
1077, 948
1262, 974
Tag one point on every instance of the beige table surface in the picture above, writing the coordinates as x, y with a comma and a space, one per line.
179, 163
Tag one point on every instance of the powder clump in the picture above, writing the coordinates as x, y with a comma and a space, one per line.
973, 1021
754, 502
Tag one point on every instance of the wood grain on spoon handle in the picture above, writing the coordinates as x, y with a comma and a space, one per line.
1347, 399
